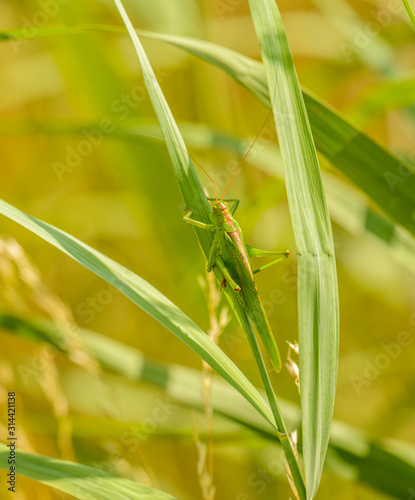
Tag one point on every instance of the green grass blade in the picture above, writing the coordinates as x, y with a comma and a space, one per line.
81, 481
146, 297
317, 279
409, 11
387, 180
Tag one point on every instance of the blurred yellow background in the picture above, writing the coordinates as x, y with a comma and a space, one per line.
116, 191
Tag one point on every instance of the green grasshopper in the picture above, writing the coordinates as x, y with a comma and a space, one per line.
231, 254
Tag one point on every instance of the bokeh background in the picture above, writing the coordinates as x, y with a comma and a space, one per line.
119, 195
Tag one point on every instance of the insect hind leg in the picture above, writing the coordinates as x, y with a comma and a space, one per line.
227, 278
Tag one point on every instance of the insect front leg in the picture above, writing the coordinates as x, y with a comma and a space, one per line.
233, 208
193, 222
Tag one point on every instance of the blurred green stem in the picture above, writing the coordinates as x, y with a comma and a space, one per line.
279, 421
409, 11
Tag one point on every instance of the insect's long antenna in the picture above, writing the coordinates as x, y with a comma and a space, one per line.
185, 151
252, 145
247, 153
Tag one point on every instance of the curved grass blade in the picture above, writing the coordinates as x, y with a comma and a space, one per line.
81, 481
409, 11
145, 296
317, 279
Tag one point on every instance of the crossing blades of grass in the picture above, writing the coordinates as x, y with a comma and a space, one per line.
195, 198
317, 278
387, 180
387, 466
145, 296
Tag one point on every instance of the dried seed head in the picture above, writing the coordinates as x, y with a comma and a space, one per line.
292, 365
294, 347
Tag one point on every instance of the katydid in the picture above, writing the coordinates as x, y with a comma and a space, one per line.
231, 254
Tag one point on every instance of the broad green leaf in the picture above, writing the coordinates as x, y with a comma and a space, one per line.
317, 279
146, 297
81, 481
